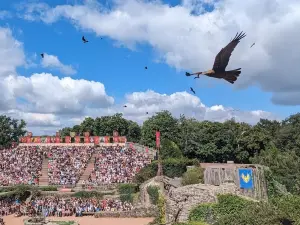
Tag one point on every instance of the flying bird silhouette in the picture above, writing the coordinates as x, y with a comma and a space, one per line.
84, 40
146, 67
125, 106
42, 55
221, 62
192, 90
252, 45
146, 112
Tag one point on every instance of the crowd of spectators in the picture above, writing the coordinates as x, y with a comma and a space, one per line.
116, 165
54, 206
21, 165
66, 164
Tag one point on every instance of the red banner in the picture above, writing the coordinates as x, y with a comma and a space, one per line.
116, 139
57, 134
106, 139
67, 139
86, 140
48, 139
38, 140
115, 133
57, 140
96, 140
77, 139
28, 139
86, 134
157, 139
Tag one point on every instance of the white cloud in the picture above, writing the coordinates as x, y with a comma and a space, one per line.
52, 62
43, 100
5, 14
48, 102
11, 54
191, 42
49, 94
138, 103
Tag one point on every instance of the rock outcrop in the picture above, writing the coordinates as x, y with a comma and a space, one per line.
182, 200
144, 196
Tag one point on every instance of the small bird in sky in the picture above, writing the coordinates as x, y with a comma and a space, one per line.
125, 106
146, 112
42, 55
192, 90
221, 62
252, 45
146, 67
84, 40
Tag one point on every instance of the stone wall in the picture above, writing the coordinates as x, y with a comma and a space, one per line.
181, 200
219, 173
150, 211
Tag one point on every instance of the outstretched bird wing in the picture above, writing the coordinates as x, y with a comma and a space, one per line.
222, 59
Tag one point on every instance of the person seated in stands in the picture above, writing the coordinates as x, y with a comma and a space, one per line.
20, 165
117, 165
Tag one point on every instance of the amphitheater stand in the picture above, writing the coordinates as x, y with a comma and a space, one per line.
44, 181
87, 172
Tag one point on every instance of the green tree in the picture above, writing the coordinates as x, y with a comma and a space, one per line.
65, 131
10, 130
77, 129
87, 125
165, 123
288, 138
134, 132
169, 150
284, 165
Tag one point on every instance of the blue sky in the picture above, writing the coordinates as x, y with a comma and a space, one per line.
121, 69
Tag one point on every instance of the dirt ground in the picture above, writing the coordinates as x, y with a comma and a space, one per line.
86, 220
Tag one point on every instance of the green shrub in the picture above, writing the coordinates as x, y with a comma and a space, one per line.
234, 210
256, 214
204, 212
7, 189
145, 173
153, 192
288, 206
171, 168
169, 150
230, 204
126, 192
88, 194
162, 209
193, 176
192, 223
48, 188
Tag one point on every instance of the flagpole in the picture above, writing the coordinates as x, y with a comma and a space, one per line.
159, 165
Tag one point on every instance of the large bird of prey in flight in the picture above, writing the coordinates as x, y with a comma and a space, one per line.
221, 62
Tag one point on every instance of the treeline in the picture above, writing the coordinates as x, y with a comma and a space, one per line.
271, 143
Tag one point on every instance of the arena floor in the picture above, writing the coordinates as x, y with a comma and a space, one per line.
87, 220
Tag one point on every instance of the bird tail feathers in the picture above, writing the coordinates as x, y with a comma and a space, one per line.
232, 75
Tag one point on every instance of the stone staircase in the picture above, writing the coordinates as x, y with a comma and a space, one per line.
87, 171
44, 178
